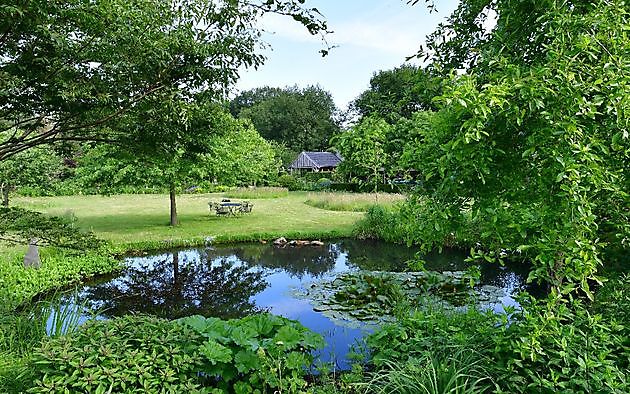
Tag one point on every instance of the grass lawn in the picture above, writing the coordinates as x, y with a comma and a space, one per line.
129, 220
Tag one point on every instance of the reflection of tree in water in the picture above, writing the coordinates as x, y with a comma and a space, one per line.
171, 288
376, 255
297, 261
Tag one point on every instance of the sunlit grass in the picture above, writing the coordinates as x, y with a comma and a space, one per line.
136, 219
257, 192
351, 202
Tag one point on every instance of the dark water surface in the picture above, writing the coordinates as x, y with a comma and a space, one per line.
236, 280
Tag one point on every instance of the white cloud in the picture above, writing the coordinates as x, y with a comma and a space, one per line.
396, 35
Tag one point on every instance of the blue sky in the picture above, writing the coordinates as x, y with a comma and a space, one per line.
371, 35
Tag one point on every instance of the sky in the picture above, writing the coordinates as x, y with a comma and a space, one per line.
370, 35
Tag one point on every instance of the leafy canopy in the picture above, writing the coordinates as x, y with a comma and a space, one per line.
70, 67
300, 119
533, 144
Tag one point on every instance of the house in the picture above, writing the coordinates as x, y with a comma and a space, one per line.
315, 162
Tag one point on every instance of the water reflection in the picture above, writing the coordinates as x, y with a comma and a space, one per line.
179, 284
232, 281
296, 261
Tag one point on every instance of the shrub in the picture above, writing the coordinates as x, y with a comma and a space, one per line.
193, 354
256, 352
257, 192
323, 183
120, 355
290, 182
559, 346
380, 223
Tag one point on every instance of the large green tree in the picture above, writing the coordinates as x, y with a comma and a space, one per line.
300, 119
363, 148
211, 145
70, 67
398, 93
533, 140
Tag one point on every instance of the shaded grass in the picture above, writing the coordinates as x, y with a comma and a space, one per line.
139, 221
257, 192
352, 202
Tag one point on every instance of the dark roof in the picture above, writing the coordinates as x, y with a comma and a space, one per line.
316, 160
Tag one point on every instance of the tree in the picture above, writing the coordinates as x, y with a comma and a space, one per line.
210, 144
68, 68
301, 119
533, 143
37, 167
363, 151
172, 289
398, 93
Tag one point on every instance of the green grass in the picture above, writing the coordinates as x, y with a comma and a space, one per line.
351, 202
141, 221
257, 192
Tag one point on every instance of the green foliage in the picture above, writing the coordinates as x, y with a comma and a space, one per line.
290, 182
549, 346
299, 119
39, 169
68, 68
193, 354
120, 355
60, 268
256, 352
381, 223
363, 150
561, 346
459, 372
257, 192
19, 226
398, 93
532, 144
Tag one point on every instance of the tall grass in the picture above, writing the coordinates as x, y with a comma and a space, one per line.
356, 202
459, 373
257, 192
56, 316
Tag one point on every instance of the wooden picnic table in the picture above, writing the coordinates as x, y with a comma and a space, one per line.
228, 207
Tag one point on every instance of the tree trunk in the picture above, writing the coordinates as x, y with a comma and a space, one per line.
4, 187
176, 271
173, 206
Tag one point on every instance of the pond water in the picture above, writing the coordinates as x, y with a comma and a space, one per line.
236, 280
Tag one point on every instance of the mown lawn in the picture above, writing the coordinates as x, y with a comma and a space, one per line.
137, 219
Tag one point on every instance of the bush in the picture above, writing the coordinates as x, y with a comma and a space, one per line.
194, 354
323, 183
560, 346
380, 223
549, 346
121, 355
257, 192
290, 182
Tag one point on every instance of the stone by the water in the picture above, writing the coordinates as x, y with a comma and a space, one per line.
31, 260
280, 241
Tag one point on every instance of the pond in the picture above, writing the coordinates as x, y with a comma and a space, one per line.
236, 280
